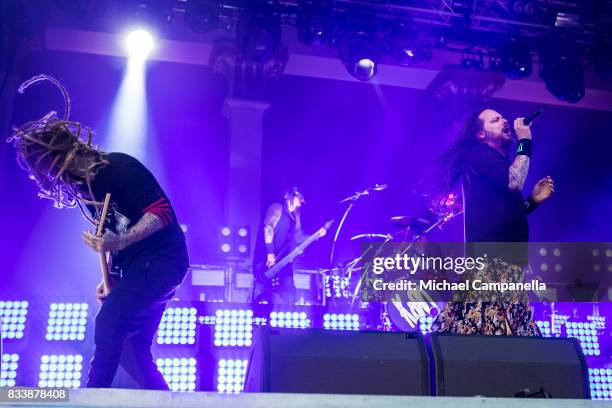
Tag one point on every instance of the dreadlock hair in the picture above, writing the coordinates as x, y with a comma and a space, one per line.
49, 149
447, 168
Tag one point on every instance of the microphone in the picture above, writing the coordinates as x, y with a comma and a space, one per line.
532, 117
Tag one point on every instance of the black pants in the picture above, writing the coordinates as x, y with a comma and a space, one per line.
128, 320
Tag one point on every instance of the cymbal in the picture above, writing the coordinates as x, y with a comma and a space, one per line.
372, 237
410, 222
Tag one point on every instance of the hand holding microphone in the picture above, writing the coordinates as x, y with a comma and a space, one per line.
521, 125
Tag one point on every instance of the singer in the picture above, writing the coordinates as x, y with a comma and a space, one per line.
495, 211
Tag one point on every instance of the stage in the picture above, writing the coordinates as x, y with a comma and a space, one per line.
245, 201
155, 399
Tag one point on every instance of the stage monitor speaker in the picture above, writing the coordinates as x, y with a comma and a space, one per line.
502, 366
338, 362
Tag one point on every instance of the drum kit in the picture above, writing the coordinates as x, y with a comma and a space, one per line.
343, 283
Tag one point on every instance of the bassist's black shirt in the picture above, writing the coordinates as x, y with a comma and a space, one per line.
283, 242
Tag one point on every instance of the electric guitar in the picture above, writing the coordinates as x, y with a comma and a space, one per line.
266, 279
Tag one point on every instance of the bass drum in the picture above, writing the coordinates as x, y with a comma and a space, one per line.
409, 311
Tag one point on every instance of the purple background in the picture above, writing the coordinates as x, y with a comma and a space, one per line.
329, 137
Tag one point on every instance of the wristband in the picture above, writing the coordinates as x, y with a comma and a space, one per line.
270, 248
530, 204
524, 147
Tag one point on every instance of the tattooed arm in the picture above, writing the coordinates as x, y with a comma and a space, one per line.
272, 216
148, 224
520, 166
518, 173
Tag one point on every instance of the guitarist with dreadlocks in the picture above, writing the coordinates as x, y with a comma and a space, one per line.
495, 211
148, 252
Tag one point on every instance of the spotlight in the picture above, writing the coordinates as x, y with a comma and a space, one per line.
139, 44
258, 36
406, 48
562, 72
179, 372
516, 59
359, 54
202, 15
235, 241
313, 22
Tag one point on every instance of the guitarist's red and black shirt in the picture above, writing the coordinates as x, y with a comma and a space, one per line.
134, 192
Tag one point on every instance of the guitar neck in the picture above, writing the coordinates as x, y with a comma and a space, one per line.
292, 255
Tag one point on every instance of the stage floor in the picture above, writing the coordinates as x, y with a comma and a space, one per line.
162, 399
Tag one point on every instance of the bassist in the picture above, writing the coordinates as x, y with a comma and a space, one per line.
280, 232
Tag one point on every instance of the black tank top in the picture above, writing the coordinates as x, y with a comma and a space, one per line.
283, 240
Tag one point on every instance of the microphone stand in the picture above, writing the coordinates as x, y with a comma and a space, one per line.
351, 200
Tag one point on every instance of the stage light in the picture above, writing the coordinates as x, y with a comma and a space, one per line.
60, 370
341, 321
407, 48
562, 71
359, 53
544, 327
235, 241
292, 320
600, 382
67, 322
202, 15
313, 22
424, 323
516, 59
139, 44
178, 326
258, 36
13, 313
233, 328
231, 375
586, 333
9, 366
179, 373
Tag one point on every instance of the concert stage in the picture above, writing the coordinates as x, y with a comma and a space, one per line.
306, 203
159, 399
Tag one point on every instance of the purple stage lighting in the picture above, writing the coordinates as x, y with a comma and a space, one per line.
67, 322
586, 334
600, 380
178, 326
13, 314
139, 44
544, 327
341, 321
230, 376
10, 363
60, 370
179, 373
293, 320
233, 328
424, 323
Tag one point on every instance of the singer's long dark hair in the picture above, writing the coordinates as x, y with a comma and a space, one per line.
447, 167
